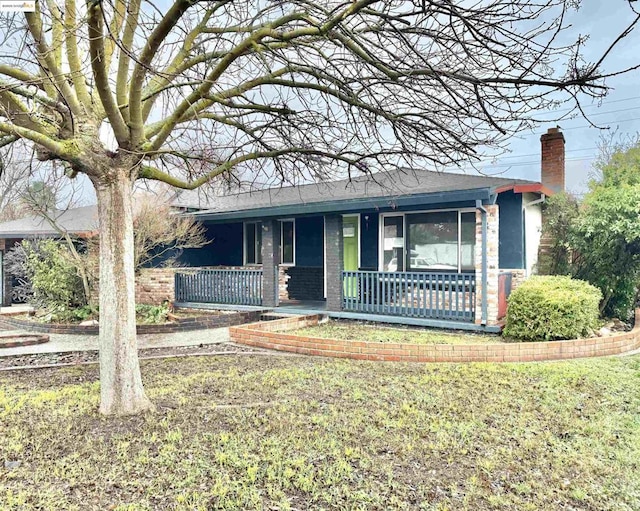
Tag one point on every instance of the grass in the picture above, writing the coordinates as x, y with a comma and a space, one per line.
373, 332
280, 433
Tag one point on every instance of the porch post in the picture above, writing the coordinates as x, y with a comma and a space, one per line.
487, 258
270, 262
334, 261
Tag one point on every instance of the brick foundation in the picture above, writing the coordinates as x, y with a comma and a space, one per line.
272, 335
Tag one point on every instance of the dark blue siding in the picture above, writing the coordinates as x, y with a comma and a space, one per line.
225, 248
310, 241
369, 241
511, 254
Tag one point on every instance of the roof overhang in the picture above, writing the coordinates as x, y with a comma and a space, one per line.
350, 205
10, 235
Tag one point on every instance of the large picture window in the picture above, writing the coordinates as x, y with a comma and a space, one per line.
429, 241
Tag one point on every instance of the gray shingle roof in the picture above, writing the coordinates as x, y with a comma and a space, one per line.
75, 220
384, 184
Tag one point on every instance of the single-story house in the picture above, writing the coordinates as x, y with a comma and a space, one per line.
411, 245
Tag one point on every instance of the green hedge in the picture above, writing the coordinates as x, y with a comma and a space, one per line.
547, 308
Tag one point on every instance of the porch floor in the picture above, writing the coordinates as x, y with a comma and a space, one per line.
320, 307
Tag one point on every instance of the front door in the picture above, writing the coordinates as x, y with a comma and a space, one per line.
351, 247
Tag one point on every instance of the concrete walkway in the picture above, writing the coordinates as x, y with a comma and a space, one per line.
60, 343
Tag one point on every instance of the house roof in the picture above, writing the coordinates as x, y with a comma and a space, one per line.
81, 220
384, 189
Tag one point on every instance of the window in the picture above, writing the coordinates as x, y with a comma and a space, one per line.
287, 242
393, 243
429, 241
253, 243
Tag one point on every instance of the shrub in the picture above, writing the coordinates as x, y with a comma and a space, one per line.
53, 276
546, 308
152, 314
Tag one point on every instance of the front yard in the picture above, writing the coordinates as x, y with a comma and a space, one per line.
301, 433
374, 332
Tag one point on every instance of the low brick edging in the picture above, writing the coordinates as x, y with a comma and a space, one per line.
19, 340
199, 323
271, 335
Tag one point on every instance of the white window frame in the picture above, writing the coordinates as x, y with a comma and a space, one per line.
293, 248
258, 224
404, 232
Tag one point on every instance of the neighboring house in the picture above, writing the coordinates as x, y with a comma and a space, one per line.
422, 246
80, 222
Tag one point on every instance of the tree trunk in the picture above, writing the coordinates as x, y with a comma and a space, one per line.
121, 390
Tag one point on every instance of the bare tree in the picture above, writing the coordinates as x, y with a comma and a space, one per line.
122, 90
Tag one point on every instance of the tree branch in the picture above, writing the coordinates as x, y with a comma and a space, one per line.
100, 73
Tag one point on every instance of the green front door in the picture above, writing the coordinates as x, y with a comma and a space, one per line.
350, 248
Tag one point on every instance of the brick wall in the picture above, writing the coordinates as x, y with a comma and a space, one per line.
154, 285
493, 245
272, 335
518, 276
305, 283
335, 262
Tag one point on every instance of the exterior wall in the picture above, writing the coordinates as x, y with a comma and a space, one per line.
511, 234
492, 244
369, 234
309, 242
303, 283
533, 232
225, 247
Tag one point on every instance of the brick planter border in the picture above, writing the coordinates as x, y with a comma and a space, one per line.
199, 323
272, 335
19, 340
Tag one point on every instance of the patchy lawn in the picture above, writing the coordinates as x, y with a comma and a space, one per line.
359, 331
300, 433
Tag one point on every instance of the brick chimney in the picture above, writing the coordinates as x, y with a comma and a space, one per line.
552, 165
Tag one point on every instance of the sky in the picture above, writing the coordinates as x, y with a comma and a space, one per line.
618, 112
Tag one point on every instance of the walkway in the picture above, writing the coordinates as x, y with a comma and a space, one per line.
62, 343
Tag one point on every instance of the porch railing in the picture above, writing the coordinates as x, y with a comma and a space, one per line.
235, 287
414, 294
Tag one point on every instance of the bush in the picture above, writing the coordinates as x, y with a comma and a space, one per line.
547, 308
152, 314
53, 276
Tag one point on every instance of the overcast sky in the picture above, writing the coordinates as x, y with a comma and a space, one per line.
602, 21
619, 111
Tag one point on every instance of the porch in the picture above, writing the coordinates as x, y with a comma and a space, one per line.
436, 267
